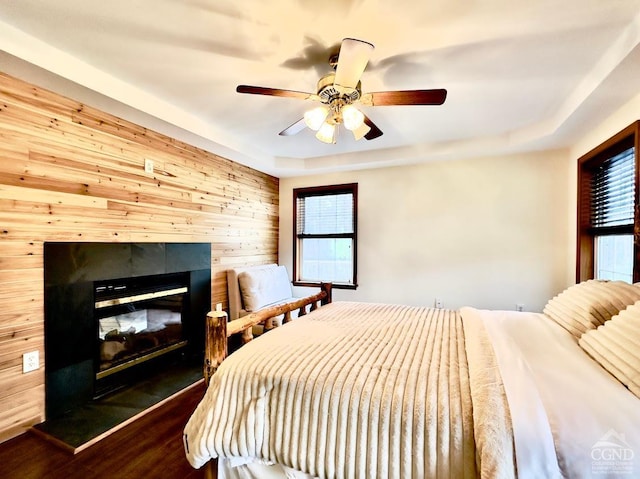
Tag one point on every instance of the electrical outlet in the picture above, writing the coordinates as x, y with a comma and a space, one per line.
30, 361
148, 165
437, 303
519, 307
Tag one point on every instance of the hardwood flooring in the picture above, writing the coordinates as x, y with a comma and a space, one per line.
150, 447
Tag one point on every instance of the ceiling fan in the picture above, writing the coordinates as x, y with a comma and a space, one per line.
340, 91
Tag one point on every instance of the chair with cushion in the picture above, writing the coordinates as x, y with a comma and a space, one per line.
253, 288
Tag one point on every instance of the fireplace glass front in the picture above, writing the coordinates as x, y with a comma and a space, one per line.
137, 320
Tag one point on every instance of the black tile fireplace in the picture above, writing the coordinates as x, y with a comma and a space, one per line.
118, 312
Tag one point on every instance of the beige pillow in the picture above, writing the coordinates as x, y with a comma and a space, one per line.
264, 286
616, 346
587, 305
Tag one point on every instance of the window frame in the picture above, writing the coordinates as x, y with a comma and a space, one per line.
350, 188
586, 233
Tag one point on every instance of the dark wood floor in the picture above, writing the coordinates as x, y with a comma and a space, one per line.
150, 447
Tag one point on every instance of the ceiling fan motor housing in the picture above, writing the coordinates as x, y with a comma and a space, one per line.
328, 91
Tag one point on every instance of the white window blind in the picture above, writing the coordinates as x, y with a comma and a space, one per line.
325, 215
613, 191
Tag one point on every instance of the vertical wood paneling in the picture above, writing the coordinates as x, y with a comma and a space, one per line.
69, 172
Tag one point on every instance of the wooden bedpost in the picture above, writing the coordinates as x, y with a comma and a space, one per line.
326, 287
215, 342
215, 351
211, 469
218, 329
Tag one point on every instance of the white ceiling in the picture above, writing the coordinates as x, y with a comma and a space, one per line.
520, 76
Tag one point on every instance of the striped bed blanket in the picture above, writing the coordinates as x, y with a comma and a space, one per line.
360, 390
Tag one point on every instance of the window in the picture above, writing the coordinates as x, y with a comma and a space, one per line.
607, 203
325, 232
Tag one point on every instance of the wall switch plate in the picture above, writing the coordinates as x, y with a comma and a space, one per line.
148, 165
30, 361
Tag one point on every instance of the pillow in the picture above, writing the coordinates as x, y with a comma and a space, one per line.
264, 286
587, 305
616, 346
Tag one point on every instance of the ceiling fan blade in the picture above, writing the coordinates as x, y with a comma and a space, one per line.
405, 97
294, 129
375, 132
352, 60
259, 90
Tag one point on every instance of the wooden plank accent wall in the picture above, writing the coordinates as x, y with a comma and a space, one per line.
69, 172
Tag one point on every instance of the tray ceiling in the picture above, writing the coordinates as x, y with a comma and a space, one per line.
521, 76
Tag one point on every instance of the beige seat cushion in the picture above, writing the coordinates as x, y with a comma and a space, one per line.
263, 287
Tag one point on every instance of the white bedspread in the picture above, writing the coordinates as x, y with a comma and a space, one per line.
351, 391
358, 390
570, 417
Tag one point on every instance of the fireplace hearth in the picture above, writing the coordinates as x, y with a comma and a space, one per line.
116, 313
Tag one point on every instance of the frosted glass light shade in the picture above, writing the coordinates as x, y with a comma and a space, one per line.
314, 118
362, 130
327, 133
352, 117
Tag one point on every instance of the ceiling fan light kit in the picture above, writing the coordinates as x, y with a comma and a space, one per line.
352, 117
325, 120
327, 133
315, 118
340, 90
361, 131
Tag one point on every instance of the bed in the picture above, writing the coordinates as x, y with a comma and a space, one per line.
363, 390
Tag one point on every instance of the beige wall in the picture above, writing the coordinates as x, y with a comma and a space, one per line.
489, 232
